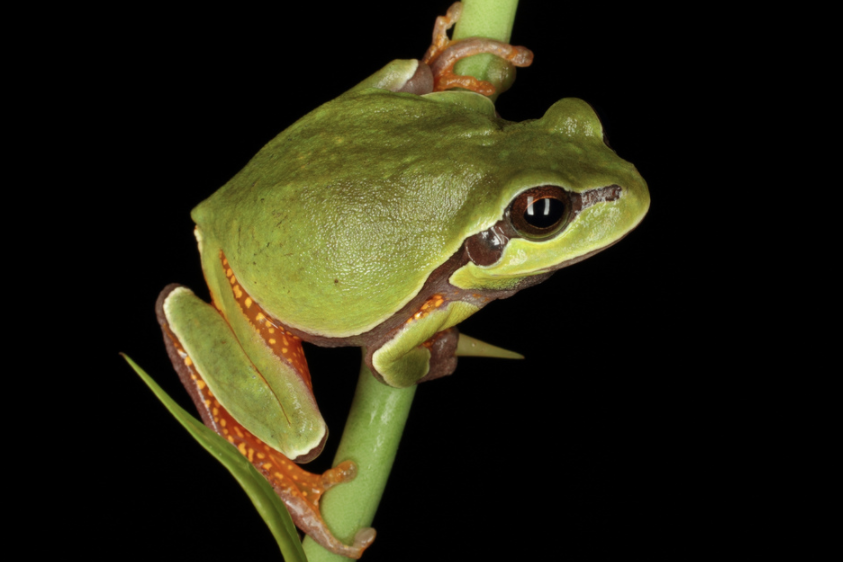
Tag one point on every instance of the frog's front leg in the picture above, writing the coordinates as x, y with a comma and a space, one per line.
444, 53
435, 72
233, 390
424, 346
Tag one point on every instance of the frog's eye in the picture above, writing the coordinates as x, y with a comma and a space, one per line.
541, 211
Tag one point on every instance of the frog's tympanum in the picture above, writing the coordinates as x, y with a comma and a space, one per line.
382, 219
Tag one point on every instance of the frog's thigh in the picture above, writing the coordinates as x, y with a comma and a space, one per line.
403, 360
288, 422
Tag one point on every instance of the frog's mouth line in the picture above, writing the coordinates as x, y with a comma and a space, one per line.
578, 259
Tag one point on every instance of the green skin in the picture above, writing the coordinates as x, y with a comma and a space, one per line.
337, 223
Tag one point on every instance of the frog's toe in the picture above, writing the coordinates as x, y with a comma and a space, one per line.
364, 538
346, 471
443, 358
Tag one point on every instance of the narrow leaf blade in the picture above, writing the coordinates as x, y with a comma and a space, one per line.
472, 347
264, 498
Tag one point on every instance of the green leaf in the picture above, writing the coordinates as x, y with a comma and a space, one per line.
264, 498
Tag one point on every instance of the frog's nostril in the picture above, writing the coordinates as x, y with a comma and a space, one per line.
593, 196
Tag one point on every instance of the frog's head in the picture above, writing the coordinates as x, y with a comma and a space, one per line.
569, 197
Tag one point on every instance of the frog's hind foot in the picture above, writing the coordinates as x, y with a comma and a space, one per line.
301, 490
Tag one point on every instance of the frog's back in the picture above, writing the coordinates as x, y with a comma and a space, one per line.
347, 210
337, 222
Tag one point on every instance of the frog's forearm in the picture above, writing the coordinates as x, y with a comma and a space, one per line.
492, 19
370, 439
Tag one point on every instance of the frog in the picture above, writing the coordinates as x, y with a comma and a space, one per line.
382, 219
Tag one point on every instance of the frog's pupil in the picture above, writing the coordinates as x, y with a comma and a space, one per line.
544, 213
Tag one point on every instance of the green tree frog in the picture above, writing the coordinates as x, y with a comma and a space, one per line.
381, 219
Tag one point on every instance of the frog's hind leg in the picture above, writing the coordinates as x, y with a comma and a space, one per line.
298, 489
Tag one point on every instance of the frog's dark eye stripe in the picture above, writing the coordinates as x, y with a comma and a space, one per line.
541, 211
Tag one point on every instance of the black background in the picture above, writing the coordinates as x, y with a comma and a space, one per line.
597, 445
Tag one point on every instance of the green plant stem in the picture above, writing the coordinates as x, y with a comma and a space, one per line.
379, 412
370, 439
492, 19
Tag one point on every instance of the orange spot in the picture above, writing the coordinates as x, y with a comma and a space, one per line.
248, 302
427, 307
